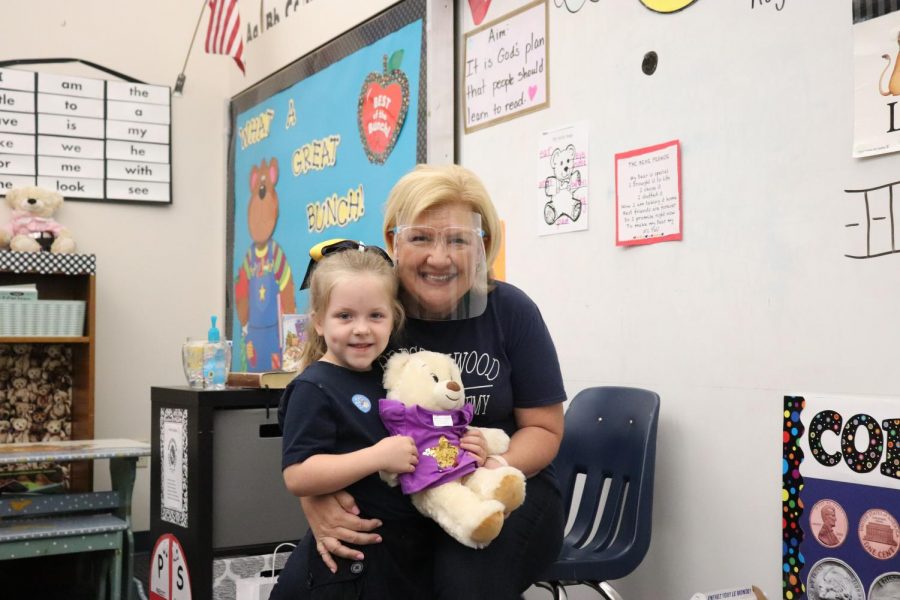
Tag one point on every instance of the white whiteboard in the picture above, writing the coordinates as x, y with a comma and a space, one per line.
756, 301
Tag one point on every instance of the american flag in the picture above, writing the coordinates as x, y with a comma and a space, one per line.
223, 35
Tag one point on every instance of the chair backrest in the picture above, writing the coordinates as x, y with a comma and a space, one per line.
610, 439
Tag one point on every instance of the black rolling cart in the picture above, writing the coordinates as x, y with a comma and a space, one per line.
218, 505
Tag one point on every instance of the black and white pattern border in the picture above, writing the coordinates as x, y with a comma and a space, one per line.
174, 415
47, 263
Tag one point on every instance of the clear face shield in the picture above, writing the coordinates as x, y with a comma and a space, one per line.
440, 260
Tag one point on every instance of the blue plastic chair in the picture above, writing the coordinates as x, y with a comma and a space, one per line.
610, 444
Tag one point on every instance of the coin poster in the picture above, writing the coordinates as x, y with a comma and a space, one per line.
841, 498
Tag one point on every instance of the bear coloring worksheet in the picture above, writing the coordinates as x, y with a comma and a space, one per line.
562, 185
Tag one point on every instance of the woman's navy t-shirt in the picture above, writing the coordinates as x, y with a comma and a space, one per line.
506, 356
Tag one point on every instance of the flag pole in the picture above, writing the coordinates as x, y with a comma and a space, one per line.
179, 82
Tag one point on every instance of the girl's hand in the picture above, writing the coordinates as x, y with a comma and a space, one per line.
333, 519
474, 443
397, 454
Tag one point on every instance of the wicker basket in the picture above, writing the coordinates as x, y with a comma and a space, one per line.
63, 318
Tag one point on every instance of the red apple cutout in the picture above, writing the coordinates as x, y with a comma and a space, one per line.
383, 103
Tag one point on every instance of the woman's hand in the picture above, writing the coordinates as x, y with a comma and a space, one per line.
396, 454
334, 519
474, 443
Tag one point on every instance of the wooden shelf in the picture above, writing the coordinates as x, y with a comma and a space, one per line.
58, 277
49, 339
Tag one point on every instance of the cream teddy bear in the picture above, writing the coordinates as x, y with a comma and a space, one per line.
426, 401
32, 227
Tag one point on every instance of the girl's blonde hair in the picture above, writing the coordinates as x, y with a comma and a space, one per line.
434, 186
332, 269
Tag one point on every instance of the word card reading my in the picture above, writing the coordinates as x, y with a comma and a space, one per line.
506, 69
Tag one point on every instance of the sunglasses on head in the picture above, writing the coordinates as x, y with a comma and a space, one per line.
323, 249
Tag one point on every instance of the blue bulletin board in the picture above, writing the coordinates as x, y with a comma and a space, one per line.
314, 151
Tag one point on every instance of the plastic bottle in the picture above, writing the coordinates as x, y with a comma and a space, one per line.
215, 359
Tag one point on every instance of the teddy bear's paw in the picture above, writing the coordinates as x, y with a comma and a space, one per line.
22, 243
511, 490
490, 526
63, 245
496, 440
392, 479
504, 484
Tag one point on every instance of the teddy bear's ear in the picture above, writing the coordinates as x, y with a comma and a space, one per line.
254, 179
393, 370
273, 171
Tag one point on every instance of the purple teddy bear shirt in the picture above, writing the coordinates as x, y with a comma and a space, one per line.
437, 435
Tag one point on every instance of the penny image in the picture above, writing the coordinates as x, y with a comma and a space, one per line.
828, 523
885, 587
879, 533
833, 579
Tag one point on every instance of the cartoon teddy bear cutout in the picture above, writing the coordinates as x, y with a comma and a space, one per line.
563, 187
265, 287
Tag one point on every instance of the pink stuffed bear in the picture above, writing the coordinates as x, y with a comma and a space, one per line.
32, 227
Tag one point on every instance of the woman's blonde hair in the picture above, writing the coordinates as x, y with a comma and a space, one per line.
332, 269
434, 186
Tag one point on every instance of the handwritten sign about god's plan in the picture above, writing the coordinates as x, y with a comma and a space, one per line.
87, 139
648, 195
506, 69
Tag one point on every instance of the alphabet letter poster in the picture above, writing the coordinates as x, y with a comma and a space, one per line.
841, 497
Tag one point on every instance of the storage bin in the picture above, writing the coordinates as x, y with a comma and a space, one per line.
63, 318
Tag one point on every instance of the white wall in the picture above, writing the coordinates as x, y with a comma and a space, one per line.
757, 301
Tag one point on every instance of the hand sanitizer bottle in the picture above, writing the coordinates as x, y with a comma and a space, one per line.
215, 359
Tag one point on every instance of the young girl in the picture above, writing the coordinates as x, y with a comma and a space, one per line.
334, 438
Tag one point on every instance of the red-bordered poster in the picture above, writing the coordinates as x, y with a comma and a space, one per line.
648, 195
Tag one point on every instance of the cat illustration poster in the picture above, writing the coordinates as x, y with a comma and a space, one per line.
562, 180
876, 59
